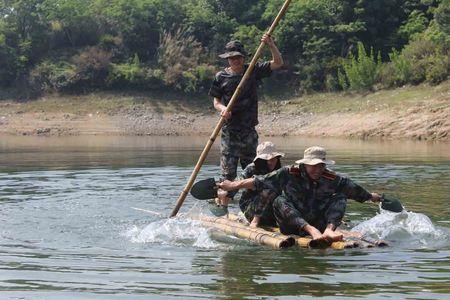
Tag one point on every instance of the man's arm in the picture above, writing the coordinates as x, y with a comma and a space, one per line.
221, 108
356, 192
227, 185
277, 61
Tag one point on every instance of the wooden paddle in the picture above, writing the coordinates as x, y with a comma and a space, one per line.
230, 105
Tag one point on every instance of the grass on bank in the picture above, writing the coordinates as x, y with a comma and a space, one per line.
117, 103
383, 100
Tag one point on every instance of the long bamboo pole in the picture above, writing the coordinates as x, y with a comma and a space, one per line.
230, 105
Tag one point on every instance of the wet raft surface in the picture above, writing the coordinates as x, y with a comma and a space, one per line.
270, 236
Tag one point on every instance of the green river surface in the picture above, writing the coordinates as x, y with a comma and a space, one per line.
68, 229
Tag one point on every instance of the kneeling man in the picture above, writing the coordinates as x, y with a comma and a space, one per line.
307, 198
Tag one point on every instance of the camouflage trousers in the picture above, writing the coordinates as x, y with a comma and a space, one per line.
249, 206
237, 146
290, 218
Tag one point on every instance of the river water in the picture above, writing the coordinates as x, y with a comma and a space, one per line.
69, 228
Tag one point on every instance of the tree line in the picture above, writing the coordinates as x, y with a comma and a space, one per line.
328, 45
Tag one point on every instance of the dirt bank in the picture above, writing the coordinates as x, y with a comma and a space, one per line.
421, 112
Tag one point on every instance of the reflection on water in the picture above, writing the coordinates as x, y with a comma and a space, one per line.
95, 151
68, 229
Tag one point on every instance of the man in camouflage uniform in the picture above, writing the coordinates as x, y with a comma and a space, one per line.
307, 198
239, 137
268, 159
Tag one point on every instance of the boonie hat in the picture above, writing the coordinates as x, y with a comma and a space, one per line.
233, 48
315, 155
266, 151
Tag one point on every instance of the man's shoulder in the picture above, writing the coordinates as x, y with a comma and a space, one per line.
220, 74
283, 171
294, 170
329, 175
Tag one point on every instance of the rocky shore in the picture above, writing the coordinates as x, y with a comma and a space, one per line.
420, 116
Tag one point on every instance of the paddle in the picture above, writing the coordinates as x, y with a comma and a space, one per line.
230, 105
204, 189
391, 204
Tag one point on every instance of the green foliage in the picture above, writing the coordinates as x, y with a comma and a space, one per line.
309, 31
442, 16
418, 52
48, 76
332, 83
204, 73
140, 22
245, 12
134, 75
439, 29
416, 24
89, 69
342, 79
208, 24
438, 69
362, 70
250, 36
421, 60
72, 22
77, 45
398, 72
179, 53
92, 66
381, 20
25, 32
8, 65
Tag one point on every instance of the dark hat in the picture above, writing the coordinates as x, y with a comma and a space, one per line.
233, 48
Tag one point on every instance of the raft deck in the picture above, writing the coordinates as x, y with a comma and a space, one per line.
272, 237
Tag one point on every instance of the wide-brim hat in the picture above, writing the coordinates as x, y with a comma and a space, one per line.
233, 48
266, 151
315, 155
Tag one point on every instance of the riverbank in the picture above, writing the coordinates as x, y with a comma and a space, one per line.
418, 112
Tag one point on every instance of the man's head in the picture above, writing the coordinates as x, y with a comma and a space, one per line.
268, 152
315, 161
234, 53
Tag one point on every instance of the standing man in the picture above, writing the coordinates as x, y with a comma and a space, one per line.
307, 198
239, 137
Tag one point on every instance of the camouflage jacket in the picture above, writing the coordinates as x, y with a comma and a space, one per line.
311, 197
245, 111
249, 172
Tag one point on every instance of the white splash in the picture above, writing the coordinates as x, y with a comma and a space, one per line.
174, 231
405, 226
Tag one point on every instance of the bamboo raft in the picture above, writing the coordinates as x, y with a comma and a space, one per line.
272, 237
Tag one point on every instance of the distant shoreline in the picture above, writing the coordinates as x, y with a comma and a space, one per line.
416, 113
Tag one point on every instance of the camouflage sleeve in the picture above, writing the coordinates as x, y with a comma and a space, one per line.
269, 187
248, 172
262, 70
353, 190
216, 89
